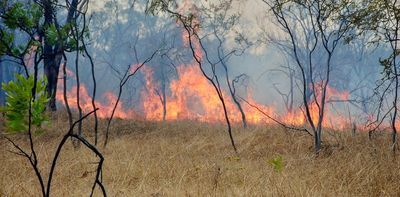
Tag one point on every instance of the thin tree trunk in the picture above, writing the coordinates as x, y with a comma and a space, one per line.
78, 85
396, 90
93, 93
65, 91
164, 96
291, 99
2, 95
235, 100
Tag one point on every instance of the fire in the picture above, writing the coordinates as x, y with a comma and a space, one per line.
85, 100
191, 97
332, 119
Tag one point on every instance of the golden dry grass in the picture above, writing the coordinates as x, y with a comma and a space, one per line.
194, 159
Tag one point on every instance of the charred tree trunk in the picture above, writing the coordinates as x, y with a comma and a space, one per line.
51, 59
51, 68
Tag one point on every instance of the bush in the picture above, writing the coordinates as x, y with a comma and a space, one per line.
19, 100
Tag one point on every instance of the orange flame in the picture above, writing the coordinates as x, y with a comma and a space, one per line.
85, 100
192, 97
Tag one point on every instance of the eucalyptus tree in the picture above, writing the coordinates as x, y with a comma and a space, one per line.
47, 29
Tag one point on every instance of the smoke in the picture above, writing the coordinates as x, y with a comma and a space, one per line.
123, 35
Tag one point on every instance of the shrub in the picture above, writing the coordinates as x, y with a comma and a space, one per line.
19, 100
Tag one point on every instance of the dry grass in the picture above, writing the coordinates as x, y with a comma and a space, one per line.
193, 159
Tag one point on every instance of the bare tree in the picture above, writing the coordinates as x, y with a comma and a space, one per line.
314, 22
221, 23
198, 49
129, 73
31, 156
287, 95
382, 19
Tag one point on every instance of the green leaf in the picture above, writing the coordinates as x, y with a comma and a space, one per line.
15, 51
277, 163
19, 95
51, 34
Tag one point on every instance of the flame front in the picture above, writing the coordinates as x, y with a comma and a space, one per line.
191, 97
85, 101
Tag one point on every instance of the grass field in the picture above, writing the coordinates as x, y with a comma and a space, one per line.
194, 159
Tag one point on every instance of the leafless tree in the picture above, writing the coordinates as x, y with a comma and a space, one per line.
129, 73
198, 49
31, 156
221, 23
315, 23
382, 19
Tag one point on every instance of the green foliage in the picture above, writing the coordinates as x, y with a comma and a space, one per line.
56, 35
155, 6
388, 64
19, 94
276, 163
375, 16
23, 18
28, 19
6, 41
51, 34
